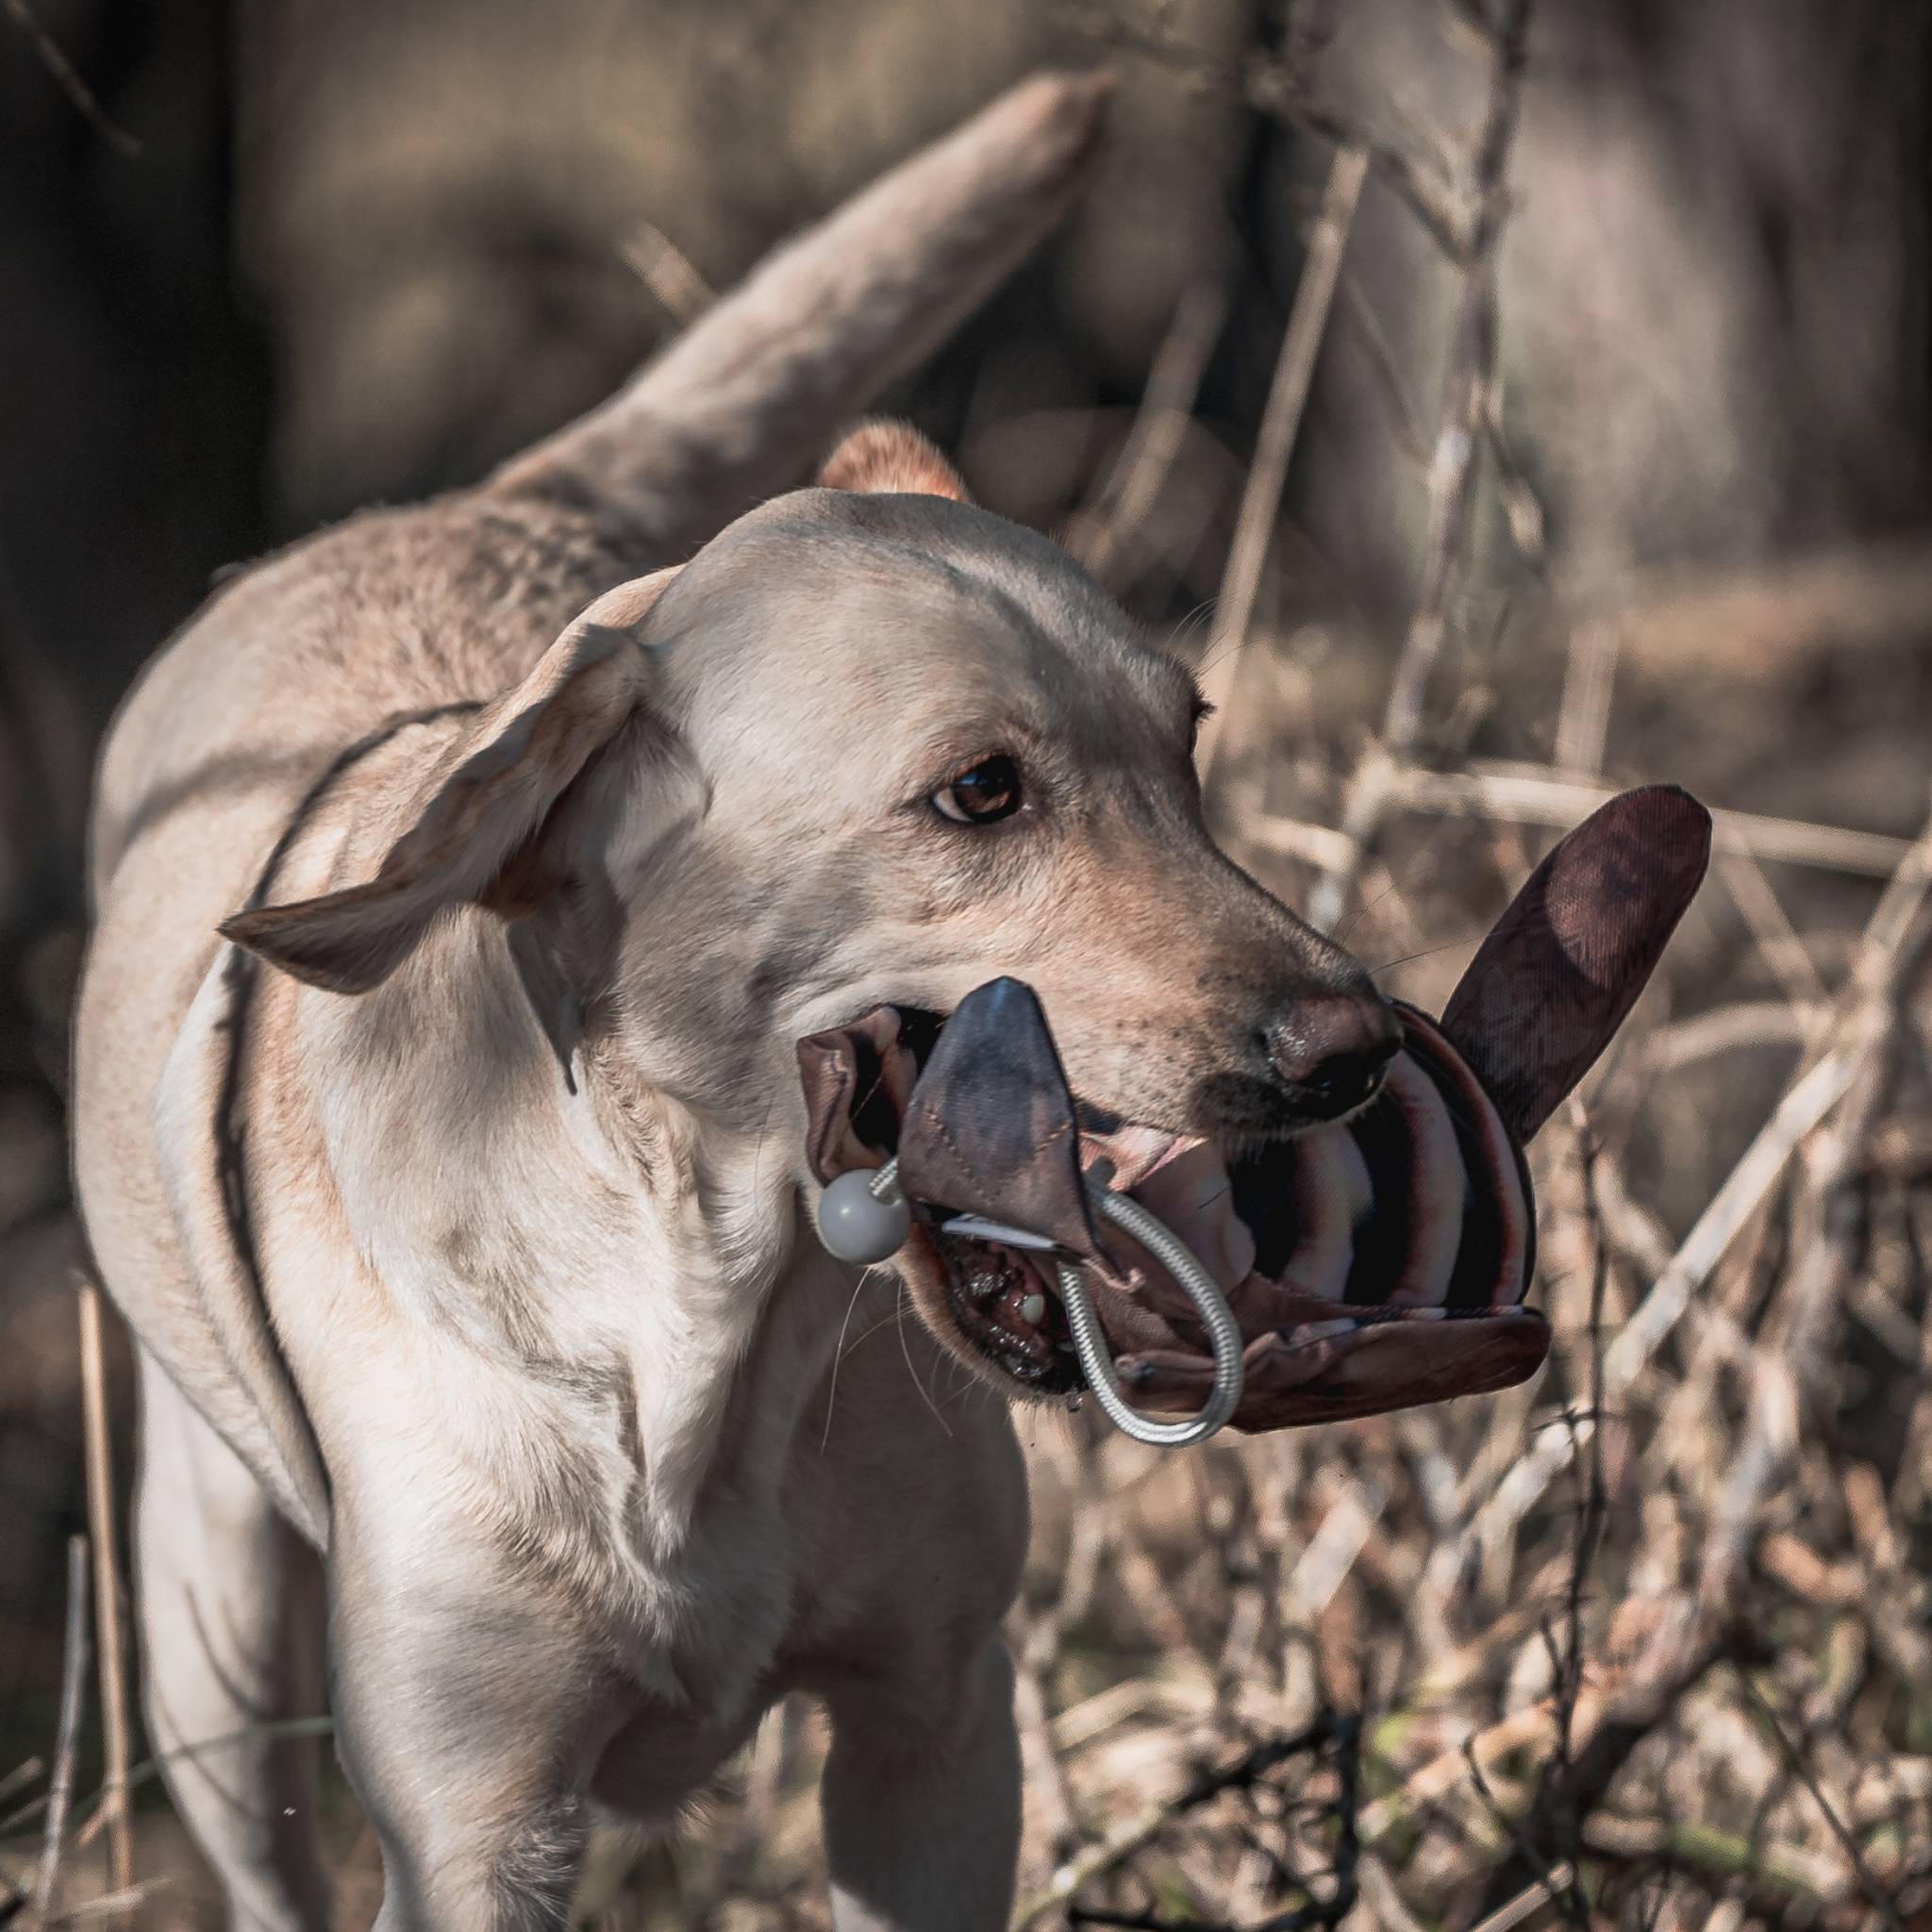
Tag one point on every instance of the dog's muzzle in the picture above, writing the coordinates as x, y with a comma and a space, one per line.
1368, 1264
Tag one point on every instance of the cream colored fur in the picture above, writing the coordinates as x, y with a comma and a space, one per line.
460, 1211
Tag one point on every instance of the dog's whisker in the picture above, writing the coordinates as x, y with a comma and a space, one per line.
839, 1354
1394, 884
865, 1335
905, 1349
757, 1157
940, 1360
966, 1385
1408, 958
1185, 627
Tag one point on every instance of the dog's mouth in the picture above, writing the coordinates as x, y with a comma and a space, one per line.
1371, 1262
1005, 1307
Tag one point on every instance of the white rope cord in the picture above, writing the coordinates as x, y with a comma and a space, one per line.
871, 1219
1097, 1360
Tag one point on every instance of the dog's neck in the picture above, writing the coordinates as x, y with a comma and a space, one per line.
561, 1224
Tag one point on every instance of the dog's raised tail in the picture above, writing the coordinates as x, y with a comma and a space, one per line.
746, 400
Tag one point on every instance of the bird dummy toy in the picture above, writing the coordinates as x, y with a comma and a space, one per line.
1363, 1265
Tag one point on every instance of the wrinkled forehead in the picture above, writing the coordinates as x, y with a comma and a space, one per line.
885, 624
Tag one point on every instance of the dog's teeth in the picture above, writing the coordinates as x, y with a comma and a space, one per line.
1033, 1309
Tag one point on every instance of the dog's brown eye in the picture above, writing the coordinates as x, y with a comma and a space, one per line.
986, 791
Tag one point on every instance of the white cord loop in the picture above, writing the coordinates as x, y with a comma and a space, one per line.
863, 1216
1097, 1360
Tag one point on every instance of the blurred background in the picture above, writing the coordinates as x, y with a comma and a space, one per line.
1613, 466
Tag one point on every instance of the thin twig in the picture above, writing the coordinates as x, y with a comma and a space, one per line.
1451, 469
1278, 88
667, 272
1596, 1503
115, 1905
1372, 339
1698, 629
1535, 795
1886, 1912
1583, 717
1689, 1641
1096, 535
100, 1520
67, 1735
1741, 1025
67, 79
1529, 522
1262, 499
1430, 199
1763, 1162
1531, 1899
1138, 1831
1778, 944
1529, 1855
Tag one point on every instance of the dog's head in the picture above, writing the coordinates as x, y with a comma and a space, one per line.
869, 749
934, 752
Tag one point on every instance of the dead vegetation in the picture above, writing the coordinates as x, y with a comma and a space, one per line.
1647, 1642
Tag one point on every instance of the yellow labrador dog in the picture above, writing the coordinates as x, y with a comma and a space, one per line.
464, 879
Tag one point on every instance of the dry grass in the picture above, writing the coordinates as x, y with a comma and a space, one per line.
1648, 1642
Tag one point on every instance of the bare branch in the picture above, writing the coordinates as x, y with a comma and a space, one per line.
1452, 468
1293, 371
67, 1735
1096, 533
67, 79
107, 1624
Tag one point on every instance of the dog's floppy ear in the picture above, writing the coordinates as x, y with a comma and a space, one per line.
878, 457
1560, 968
476, 830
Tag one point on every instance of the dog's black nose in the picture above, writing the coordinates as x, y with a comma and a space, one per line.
1330, 1052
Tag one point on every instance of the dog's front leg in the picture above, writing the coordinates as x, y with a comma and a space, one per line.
922, 1798
469, 1712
